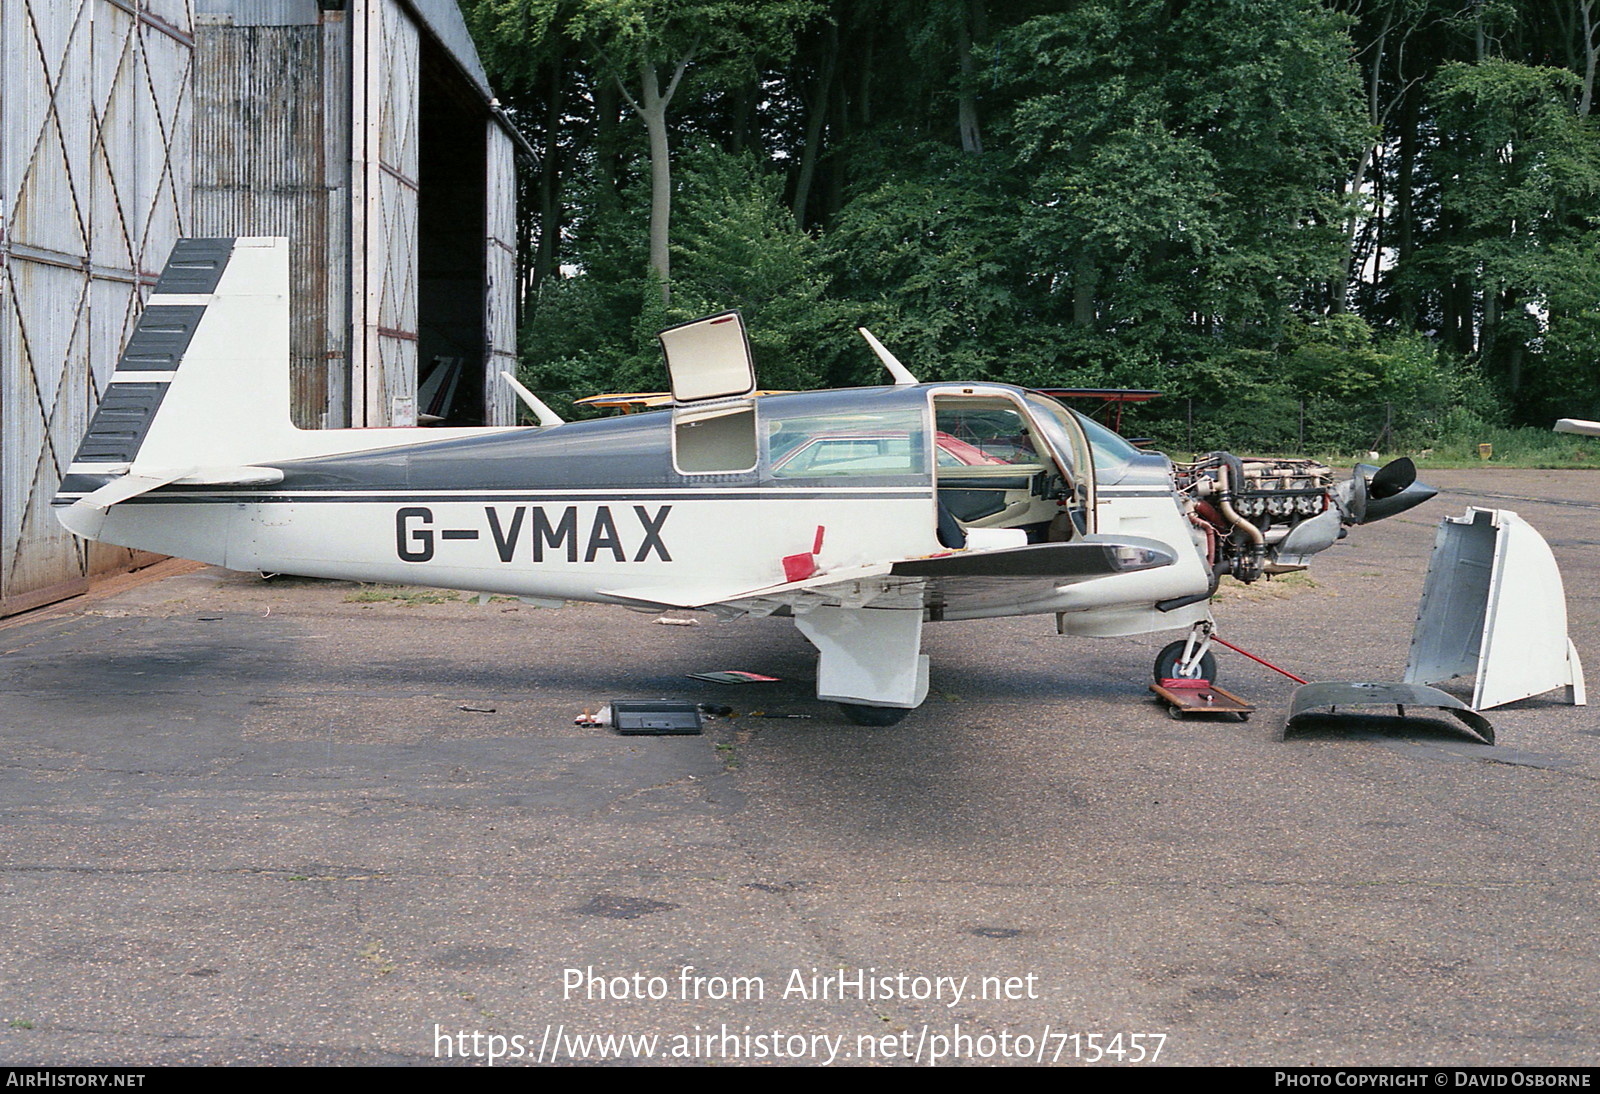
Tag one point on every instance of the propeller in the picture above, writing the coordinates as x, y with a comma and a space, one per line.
1377, 492
1392, 478
1351, 495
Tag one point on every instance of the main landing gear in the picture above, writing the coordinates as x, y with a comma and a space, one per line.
869, 660
863, 715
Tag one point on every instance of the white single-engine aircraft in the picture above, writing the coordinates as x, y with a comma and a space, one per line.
861, 514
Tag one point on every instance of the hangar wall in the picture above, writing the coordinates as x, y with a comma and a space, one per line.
501, 290
125, 124
271, 120
95, 153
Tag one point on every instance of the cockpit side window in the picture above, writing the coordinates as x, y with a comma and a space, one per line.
876, 444
981, 431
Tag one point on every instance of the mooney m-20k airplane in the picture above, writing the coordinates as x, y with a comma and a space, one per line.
861, 514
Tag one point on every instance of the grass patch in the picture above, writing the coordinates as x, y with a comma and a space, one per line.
1524, 447
1279, 587
403, 594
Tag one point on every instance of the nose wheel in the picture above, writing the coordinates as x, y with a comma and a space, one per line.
1186, 673
1170, 663
1188, 658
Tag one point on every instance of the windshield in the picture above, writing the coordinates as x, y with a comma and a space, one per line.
1112, 453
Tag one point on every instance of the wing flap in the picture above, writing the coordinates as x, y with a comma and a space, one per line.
692, 596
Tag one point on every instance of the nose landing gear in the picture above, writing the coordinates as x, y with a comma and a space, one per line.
1185, 673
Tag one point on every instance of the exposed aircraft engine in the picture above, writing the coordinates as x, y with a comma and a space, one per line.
1269, 515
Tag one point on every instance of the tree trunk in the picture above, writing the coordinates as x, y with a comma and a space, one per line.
651, 107
743, 129
1591, 54
607, 107
814, 127
1085, 279
545, 259
966, 104
844, 127
652, 110
1339, 293
1405, 215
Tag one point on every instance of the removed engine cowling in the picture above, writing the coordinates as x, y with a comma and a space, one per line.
1270, 515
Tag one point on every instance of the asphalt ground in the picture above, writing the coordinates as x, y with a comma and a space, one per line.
280, 822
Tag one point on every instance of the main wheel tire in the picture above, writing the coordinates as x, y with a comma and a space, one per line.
863, 715
1169, 657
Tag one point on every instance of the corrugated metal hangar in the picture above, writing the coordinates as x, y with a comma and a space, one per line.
364, 130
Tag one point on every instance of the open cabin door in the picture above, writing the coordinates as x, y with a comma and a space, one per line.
1002, 465
713, 384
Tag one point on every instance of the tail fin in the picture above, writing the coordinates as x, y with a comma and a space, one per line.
203, 380
200, 395
201, 389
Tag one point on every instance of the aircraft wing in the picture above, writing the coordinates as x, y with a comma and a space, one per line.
969, 580
957, 579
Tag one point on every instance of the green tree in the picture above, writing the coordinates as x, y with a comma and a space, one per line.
1519, 187
738, 246
1182, 161
647, 46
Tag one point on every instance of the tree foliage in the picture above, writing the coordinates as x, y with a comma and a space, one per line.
1265, 204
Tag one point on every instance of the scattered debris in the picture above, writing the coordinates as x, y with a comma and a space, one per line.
655, 717
674, 621
477, 708
733, 676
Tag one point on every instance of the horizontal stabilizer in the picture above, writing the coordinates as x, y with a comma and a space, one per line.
86, 515
127, 486
143, 480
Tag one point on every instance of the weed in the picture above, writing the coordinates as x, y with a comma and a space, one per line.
403, 594
1279, 587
